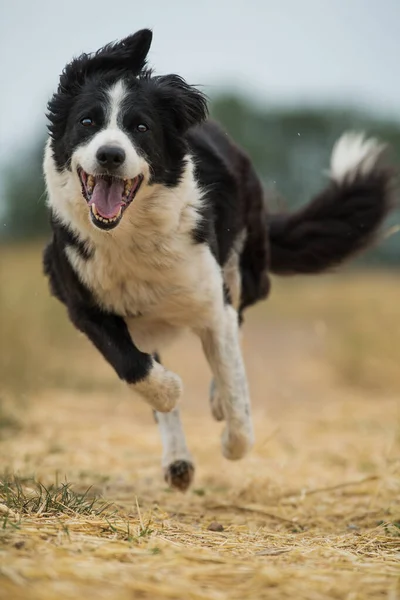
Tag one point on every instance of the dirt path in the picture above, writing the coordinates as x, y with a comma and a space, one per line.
312, 513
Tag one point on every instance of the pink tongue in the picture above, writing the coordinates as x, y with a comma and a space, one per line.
108, 197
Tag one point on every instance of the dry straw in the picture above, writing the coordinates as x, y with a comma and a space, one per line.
312, 514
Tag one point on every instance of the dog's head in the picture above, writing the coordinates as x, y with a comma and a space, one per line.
116, 129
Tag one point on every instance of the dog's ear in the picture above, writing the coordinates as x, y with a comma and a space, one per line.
184, 104
131, 51
128, 54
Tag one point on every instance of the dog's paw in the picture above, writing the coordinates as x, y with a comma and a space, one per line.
236, 443
179, 474
215, 402
161, 388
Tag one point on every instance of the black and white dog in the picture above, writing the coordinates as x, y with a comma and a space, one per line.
160, 225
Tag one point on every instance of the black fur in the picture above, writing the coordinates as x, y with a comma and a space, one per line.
108, 332
234, 202
342, 221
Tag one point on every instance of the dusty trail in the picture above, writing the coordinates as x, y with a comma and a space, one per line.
312, 513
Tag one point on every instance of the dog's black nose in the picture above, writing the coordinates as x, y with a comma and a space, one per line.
110, 157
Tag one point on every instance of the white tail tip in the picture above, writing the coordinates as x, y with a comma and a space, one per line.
354, 154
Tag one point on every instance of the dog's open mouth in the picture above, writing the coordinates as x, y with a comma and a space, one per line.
108, 197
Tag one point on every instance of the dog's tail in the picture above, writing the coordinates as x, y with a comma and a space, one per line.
342, 220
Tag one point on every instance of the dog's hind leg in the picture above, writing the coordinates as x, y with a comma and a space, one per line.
216, 404
232, 293
222, 348
177, 463
217, 410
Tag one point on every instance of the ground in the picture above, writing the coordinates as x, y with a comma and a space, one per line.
312, 513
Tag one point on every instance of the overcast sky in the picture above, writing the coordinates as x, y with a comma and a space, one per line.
292, 51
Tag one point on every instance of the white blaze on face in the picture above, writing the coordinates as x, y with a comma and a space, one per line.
112, 135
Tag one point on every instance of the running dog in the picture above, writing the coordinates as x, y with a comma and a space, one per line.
160, 224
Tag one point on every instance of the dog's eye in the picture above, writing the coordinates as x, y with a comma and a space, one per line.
87, 122
142, 128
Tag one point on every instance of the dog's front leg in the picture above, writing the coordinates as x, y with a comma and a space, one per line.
177, 462
109, 333
221, 346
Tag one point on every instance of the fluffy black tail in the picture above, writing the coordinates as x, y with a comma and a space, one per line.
342, 220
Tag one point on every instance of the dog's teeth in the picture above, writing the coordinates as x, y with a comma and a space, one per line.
90, 183
128, 186
98, 217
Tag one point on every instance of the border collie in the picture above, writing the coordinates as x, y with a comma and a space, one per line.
160, 225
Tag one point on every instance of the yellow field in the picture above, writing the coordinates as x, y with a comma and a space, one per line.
312, 513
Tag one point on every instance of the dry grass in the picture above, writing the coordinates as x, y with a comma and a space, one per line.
312, 513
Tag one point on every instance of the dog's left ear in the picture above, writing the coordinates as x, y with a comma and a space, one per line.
131, 51
184, 104
128, 54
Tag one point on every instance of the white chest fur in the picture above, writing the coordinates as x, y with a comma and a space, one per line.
149, 265
159, 289
159, 278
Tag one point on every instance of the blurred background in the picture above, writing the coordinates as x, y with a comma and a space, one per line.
285, 79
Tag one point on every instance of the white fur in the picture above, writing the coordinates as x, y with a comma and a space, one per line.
354, 154
172, 438
161, 388
149, 265
222, 349
232, 279
217, 409
112, 135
